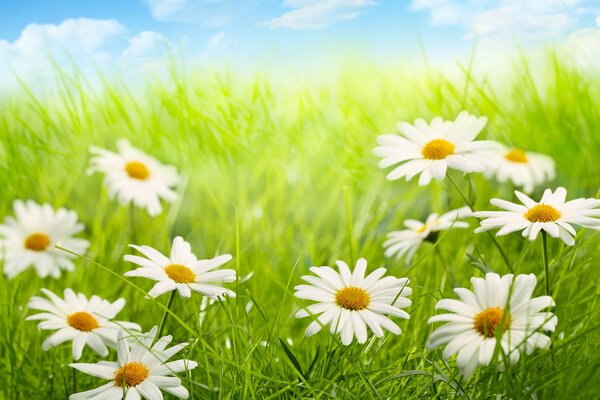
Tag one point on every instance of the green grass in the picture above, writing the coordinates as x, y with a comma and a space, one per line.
273, 169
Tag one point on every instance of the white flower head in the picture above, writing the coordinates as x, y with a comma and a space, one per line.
500, 311
551, 214
132, 176
430, 149
77, 319
350, 302
523, 168
29, 239
182, 271
407, 241
141, 370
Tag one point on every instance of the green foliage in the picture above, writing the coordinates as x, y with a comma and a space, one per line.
272, 171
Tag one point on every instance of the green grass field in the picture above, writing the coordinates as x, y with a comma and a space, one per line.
279, 173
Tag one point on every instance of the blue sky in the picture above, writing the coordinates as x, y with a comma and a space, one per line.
129, 32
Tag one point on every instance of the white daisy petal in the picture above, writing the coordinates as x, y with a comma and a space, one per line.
136, 374
471, 328
132, 176
551, 214
349, 302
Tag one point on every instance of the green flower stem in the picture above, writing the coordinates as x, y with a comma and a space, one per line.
545, 258
492, 237
166, 314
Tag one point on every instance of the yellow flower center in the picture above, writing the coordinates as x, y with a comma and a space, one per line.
542, 213
517, 156
83, 321
487, 321
352, 298
180, 273
137, 170
437, 149
131, 374
37, 242
422, 229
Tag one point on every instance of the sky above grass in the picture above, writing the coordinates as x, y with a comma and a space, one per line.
135, 34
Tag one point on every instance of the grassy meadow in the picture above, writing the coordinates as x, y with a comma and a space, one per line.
280, 174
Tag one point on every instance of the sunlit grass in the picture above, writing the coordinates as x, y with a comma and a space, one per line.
272, 173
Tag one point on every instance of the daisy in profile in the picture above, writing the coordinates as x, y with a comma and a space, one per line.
498, 312
182, 271
551, 214
524, 169
77, 319
28, 239
349, 302
430, 149
407, 241
132, 176
141, 370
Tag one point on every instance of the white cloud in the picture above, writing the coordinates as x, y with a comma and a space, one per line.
146, 44
505, 19
83, 40
583, 47
165, 9
82, 43
317, 14
220, 40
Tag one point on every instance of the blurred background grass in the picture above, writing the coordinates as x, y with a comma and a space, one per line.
273, 164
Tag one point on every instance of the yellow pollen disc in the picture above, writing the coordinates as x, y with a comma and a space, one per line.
517, 156
422, 229
37, 242
487, 321
352, 298
82, 321
437, 149
180, 273
542, 213
131, 374
137, 170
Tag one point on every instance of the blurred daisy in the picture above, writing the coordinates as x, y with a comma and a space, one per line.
431, 149
523, 169
135, 177
497, 312
407, 241
77, 319
552, 214
29, 239
141, 371
350, 302
182, 271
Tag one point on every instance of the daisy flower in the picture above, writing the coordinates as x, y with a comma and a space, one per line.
141, 370
501, 311
431, 149
77, 319
523, 169
135, 177
407, 241
182, 271
350, 302
551, 214
29, 239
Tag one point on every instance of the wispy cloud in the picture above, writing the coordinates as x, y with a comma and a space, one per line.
86, 42
525, 19
317, 14
165, 9
583, 47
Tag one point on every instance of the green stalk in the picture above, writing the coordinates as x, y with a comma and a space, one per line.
165, 314
492, 237
545, 258
74, 380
